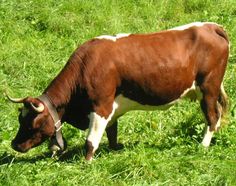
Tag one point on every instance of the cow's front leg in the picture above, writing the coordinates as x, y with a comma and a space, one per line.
112, 137
97, 127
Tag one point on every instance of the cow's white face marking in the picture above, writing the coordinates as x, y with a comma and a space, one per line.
24, 112
113, 38
198, 24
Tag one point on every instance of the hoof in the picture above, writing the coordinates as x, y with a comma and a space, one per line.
89, 157
89, 150
118, 146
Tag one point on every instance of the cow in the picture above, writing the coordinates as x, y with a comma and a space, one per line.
108, 76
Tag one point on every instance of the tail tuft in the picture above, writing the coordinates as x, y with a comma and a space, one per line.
223, 100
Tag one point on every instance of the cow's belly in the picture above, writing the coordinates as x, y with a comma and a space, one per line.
123, 104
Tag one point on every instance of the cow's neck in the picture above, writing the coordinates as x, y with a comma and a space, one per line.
65, 84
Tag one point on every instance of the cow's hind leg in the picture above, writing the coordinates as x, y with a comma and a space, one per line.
214, 121
112, 137
212, 110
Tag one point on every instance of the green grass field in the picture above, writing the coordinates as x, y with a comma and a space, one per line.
161, 148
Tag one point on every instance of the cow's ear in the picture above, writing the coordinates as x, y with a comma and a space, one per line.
20, 109
34, 104
38, 107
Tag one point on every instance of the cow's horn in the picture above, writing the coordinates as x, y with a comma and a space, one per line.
15, 100
39, 108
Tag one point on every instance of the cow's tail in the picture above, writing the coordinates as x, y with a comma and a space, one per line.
221, 32
223, 100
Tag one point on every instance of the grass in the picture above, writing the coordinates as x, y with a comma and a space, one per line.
161, 148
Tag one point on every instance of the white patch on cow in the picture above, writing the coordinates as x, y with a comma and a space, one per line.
24, 112
208, 134
193, 93
198, 24
122, 105
207, 137
222, 89
217, 127
97, 127
113, 38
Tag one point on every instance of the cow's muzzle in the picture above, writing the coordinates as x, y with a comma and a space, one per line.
17, 147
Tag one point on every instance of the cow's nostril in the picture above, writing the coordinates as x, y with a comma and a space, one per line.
13, 145
16, 147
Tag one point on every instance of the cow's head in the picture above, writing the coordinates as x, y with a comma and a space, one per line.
36, 124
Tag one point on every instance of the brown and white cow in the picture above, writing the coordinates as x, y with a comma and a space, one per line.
111, 75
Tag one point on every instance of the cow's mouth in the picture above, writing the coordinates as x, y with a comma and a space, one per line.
18, 148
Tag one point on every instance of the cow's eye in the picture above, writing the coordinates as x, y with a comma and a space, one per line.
32, 129
42, 126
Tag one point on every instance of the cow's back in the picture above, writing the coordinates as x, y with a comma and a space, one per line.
152, 68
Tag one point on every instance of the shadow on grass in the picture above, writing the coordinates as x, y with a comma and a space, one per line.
7, 158
186, 132
74, 153
189, 132
193, 129
78, 152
